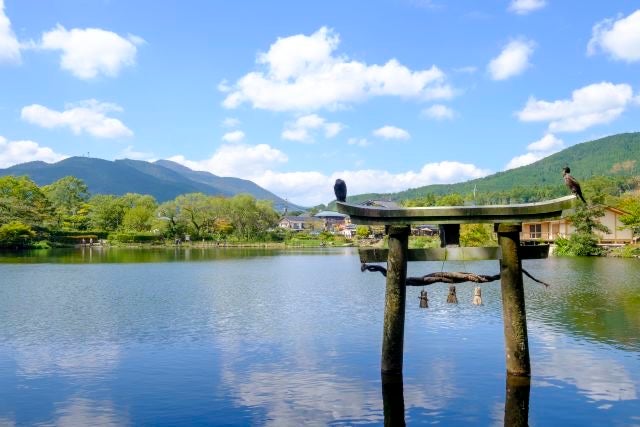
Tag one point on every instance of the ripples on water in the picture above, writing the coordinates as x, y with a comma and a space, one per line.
254, 337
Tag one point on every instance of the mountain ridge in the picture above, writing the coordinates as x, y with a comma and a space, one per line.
162, 179
614, 155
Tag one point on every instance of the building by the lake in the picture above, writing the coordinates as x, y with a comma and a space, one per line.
549, 231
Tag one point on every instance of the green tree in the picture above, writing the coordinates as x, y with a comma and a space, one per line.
631, 220
169, 220
22, 200
69, 196
362, 231
138, 218
450, 200
106, 212
584, 242
477, 235
251, 218
139, 210
196, 211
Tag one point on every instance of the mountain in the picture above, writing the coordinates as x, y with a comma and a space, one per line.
615, 155
162, 179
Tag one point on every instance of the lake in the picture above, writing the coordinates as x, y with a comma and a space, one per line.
288, 338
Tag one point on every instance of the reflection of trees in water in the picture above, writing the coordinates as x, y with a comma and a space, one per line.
598, 298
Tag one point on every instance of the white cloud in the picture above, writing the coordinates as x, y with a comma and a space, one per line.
230, 122
523, 160
539, 149
548, 143
83, 117
524, 7
620, 39
15, 152
438, 112
591, 105
89, 52
234, 136
301, 73
311, 188
513, 60
9, 45
308, 188
391, 132
130, 153
303, 128
238, 160
359, 142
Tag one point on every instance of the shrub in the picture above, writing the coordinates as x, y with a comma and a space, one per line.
125, 237
579, 244
16, 235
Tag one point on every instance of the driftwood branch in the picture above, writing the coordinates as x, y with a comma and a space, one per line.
372, 267
450, 277
526, 273
445, 277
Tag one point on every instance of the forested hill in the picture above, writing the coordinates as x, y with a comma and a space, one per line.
163, 179
616, 155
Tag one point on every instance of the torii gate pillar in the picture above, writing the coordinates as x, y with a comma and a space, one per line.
395, 299
513, 307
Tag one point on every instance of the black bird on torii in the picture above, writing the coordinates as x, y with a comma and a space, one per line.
340, 190
572, 184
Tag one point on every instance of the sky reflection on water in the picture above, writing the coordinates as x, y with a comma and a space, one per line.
294, 339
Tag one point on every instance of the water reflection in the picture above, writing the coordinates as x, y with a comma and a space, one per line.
393, 400
516, 406
85, 412
600, 378
258, 338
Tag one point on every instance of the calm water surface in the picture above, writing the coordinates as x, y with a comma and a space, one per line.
265, 337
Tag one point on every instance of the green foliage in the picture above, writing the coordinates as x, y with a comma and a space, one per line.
631, 204
22, 200
106, 212
16, 235
68, 196
421, 242
628, 251
450, 200
129, 237
362, 231
477, 235
579, 245
584, 242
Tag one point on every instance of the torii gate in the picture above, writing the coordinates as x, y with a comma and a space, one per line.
507, 220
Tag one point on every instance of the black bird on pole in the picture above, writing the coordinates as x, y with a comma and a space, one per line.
340, 190
572, 184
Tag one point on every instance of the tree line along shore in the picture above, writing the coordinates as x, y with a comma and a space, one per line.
64, 213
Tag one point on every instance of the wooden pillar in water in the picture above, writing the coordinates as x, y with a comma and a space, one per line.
513, 307
395, 299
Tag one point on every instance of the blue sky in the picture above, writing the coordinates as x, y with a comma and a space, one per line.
387, 95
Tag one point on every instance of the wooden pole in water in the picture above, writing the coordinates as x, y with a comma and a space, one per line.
395, 299
513, 307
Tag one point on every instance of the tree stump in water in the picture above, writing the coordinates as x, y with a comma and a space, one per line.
424, 300
452, 298
477, 296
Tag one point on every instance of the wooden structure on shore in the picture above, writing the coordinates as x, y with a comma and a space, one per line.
507, 220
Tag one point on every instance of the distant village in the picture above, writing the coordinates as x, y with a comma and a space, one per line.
532, 232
